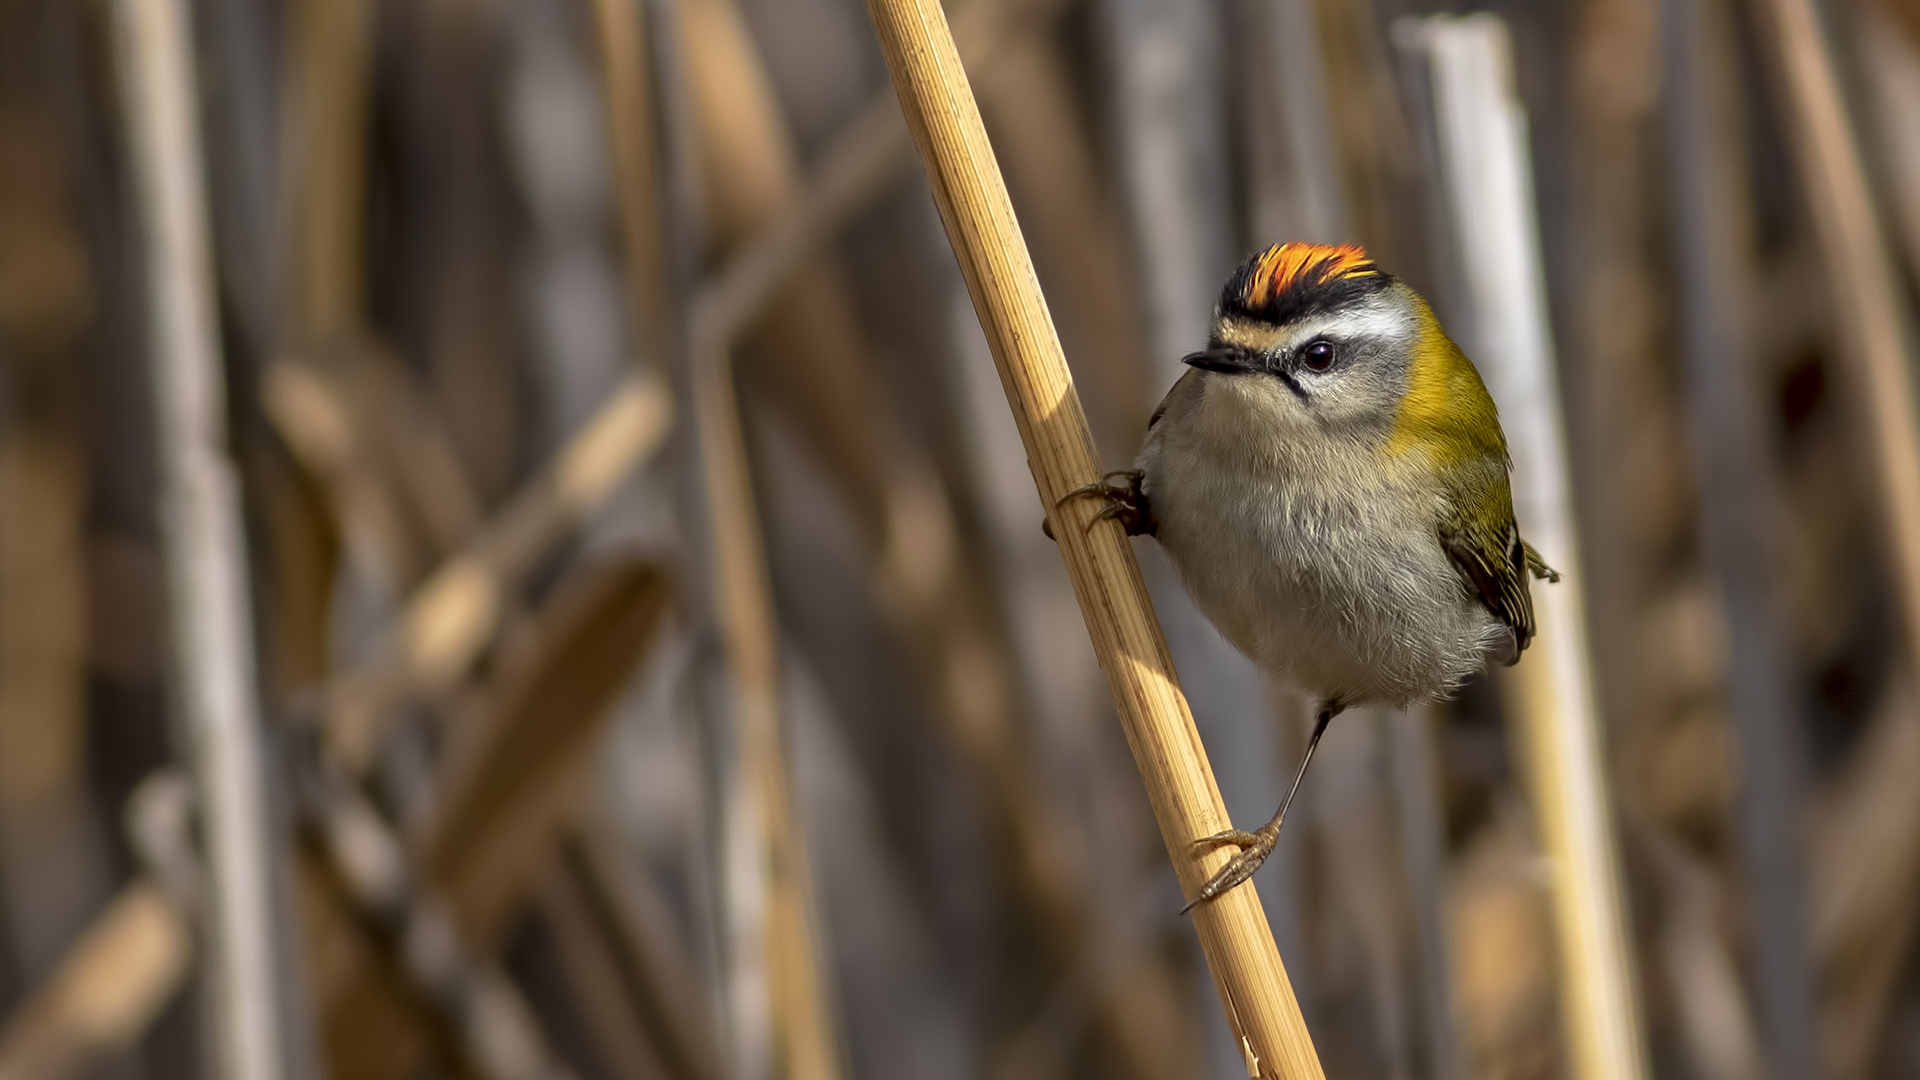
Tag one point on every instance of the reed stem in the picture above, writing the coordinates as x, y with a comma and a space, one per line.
972, 196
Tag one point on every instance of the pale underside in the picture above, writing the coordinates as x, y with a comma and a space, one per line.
1318, 557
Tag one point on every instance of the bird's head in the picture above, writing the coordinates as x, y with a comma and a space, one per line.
1317, 335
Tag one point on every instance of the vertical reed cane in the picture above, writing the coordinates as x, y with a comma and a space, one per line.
940, 108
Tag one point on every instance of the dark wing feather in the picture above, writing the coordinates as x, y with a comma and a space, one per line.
1495, 565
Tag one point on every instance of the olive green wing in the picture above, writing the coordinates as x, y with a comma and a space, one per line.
1479, 532
1494, 562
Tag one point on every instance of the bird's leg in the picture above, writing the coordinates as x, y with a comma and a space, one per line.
1255, 846
1126, 503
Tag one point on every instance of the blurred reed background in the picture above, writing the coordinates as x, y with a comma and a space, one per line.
515, 563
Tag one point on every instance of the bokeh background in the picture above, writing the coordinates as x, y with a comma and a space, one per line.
650, 662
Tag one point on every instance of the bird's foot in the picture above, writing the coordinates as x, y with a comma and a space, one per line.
1125, 503
1254, 848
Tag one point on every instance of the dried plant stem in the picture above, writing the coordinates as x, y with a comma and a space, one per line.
822, 365
1873, 322
205, 547
940, 108
805, 1030
1489, 189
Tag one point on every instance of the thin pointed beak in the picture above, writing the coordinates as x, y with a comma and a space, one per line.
1224, 361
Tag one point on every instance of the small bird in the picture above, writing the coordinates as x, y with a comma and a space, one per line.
1331, 482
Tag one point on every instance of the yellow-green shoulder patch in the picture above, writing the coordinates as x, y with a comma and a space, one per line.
1447, 409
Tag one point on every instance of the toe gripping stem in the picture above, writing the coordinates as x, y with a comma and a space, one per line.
1125, 503
1255, 846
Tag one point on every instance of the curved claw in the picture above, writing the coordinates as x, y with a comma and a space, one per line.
1256, 846
1236, 837
1104, 487
1080, 493
1125, 503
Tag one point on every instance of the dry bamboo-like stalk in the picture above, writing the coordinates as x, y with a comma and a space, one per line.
443, 905
1489, 192
1074, 227
935, 95
823, 368
205, 547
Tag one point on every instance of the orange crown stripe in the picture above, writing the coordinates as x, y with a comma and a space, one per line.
1281, 266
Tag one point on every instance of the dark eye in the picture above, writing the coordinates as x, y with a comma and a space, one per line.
1317, 356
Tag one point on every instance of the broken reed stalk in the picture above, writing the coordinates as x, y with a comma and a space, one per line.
203, 542
922, 572
972, 196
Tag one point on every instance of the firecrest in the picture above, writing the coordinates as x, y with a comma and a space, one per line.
1330, 481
